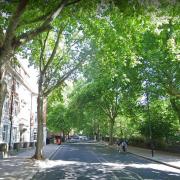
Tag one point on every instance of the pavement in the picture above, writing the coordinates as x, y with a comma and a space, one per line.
21, 166
162, 157
167, 158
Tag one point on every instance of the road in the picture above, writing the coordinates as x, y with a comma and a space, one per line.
85, 161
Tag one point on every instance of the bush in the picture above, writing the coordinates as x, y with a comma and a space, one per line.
137, 141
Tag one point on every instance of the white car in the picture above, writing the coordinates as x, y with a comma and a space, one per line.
74, 139
83, 138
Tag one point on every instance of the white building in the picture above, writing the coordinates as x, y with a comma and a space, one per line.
21, 106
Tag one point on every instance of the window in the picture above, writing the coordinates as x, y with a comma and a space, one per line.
16, 108
35, 135
6, 106
14, 134
5, 133
35, 117
8, 78
17, 85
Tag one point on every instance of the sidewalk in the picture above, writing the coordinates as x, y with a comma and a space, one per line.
20, 166
170, 159
167, 158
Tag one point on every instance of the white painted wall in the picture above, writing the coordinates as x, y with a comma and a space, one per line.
27, 107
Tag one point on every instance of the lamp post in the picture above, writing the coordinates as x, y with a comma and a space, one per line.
149, 119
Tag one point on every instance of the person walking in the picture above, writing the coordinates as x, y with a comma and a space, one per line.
118, 145
124, 146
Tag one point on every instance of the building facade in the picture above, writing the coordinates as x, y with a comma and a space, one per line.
19, 117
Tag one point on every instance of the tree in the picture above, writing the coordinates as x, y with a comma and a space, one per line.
57, 121
118, 66
84, 114
55, 64
16, 28
162, 122
162, 48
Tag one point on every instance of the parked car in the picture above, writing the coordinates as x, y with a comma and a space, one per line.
74, 139
83, 138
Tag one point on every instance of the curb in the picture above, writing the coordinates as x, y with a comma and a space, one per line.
31, 176
150, 159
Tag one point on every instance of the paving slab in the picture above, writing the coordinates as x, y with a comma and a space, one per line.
167, 158
21, 166
163, 157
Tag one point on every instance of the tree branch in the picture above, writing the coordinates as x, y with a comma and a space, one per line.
51, 75
115, 109
73, 2
61, 80
14, 23
43, 45
37, 19
172, 91
25, 37
105, 110
53, 52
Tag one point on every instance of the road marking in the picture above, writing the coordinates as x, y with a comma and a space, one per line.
54, 153
102, 160
125, 172
115, 177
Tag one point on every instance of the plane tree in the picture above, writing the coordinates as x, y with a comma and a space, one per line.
57, 121
22, 21
56, 54
160, 66
119, 70
85, 116
57, 110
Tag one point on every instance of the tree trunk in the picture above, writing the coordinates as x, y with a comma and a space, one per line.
39, 146
98, 132
111, 128
63, 138
3, 91
3, 86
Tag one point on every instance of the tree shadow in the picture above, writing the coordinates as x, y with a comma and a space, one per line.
97, 162
79, 170
13, 169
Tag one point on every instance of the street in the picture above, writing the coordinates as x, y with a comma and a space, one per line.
95, 161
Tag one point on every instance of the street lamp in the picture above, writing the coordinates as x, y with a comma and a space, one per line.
11, 110
149, 125
149, 120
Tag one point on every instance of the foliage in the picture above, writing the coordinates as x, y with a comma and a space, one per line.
132, 48
162, 122
56, 121
135, 53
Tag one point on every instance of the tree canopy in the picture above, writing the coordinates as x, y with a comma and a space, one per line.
135, 57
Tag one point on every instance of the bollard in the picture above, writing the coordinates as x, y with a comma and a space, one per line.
4, 149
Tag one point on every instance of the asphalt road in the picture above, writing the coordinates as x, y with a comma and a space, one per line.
85, 161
